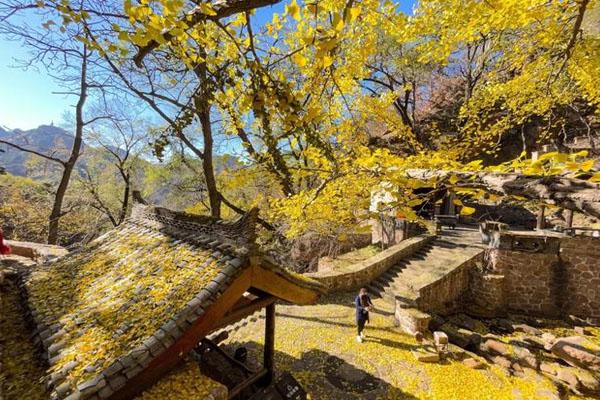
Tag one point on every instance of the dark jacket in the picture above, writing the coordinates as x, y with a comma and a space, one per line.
361, 313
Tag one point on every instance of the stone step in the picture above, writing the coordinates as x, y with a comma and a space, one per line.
379, 285
392, 273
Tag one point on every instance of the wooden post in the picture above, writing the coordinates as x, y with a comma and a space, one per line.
269, 351
540, 218
451, 209
569, 218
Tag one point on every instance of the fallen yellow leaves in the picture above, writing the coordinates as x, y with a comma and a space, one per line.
309, 337
112, 296
187, 383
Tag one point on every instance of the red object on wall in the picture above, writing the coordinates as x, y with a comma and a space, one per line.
4, 248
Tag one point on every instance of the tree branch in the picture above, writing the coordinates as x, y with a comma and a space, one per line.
37, 153
223, 9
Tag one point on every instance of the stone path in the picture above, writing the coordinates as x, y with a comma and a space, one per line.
432, 262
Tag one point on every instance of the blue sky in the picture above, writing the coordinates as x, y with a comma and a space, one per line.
26, 98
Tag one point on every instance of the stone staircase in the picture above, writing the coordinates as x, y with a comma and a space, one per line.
427, 265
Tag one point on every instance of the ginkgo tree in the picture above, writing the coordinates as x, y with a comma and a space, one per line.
292, 93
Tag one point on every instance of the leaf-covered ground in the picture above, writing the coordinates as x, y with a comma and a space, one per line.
186, 383
317, 344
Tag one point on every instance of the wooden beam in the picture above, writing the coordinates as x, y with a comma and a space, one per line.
269, 351
222, 352
241, 313
281, 287
247, 382
175, 354
571, 193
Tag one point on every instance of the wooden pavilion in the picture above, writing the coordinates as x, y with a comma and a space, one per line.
114, 318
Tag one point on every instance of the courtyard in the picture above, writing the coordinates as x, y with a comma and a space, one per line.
317, 345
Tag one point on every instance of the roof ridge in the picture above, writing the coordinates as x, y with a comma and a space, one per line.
241, 231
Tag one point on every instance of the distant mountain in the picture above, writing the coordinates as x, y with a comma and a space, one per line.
46, 139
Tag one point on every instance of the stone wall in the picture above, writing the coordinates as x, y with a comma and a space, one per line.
541, 275
531, 283
580, 257
360, 274
486, 293
447, 295
391, 230
36, 251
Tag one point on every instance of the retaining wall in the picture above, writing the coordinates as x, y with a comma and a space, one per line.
362, 273
541, 275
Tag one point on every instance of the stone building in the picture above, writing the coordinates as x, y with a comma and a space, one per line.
123, 317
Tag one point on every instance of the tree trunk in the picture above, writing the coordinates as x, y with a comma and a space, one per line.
125, 201
569, 218
56, 213
201, 102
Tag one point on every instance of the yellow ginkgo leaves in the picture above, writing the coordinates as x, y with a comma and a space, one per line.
293, 10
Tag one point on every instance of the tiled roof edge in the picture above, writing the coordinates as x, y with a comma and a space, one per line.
116, 376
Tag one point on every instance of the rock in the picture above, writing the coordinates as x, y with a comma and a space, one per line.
547, 394
549, 368
525, 358
461, 337
567, 376
473, 338
418, 337
457, 353
464, 321
530, 330
578, 321
534, 342
440, 338
517, 369
495, 347
588, 383
578, 351
425, 355
473, 363
501, 361
501, 325
454, 336
436, 322
577, 379
581, 331
549, 340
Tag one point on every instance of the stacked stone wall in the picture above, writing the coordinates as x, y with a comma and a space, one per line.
581, 260
447, 294
539, 275
529, 281
486, 291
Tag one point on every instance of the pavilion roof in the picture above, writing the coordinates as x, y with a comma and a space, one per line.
143, 291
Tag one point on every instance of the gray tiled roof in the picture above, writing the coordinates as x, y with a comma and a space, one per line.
101, 315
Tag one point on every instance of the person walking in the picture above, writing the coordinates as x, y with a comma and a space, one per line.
363, 306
